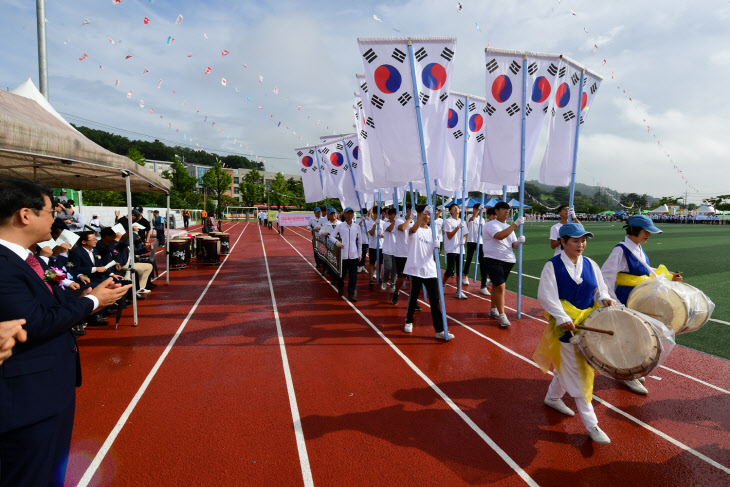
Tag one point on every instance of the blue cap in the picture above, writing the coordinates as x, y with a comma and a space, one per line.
348, 209
643, 221
316, 208
331, 209
574, 230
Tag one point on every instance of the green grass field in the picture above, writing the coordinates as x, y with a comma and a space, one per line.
701, 252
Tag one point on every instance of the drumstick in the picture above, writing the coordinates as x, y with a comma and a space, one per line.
597, 330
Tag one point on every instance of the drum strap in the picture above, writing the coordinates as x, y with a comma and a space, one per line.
630, 280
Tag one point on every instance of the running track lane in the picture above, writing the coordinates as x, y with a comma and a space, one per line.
709, 424
218, 394
347, 380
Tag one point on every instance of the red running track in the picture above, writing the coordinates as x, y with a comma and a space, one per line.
377, 406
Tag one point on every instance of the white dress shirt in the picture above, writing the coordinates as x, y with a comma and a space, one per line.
616, 263
420, 261
498, 249
547, 291
349, 233
451, 245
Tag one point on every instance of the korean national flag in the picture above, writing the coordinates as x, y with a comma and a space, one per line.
389, 83
373, 175
476, 139
337, 179
453, 160
504, 110
569, 109
311, 182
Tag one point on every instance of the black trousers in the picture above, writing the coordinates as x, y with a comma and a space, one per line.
471, 248
452, 260
432, 289
37, 455
349, 269
364, 255
186, 222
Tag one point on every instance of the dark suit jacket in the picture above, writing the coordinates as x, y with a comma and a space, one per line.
39, 379
82, 264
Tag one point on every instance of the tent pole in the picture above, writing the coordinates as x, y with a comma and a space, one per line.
128, 177
167, 241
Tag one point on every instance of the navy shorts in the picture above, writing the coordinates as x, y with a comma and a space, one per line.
497, 270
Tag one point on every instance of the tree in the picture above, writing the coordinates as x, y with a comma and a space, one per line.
718, 202
631, 199
670, 200
278, 194
217, 182
136, 156
182, 192
252, 191
561, 194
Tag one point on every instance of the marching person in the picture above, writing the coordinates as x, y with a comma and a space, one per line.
564, 212
365, 222
473, 237
347, 236
491, 215
571, 278
421, 266
325, 231
375, 245
499, 241
400, 250
389, 271
453, 243
439, 223
313, 226
628, 260
38, 379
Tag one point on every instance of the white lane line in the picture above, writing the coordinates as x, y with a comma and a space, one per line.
298, 431
602, 401
507, 459
700, 381
720, 321
91, 470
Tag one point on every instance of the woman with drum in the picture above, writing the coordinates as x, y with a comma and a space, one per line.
571, 286
628, 261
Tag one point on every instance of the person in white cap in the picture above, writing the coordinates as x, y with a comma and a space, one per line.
571, 277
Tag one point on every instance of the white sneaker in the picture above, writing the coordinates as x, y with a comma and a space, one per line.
503, 321
442, 337
494, 313
641, 379
143, 291
408, 328
599, 436
465, 281
559, 405
383, 286
485, 291
635, 387
461, 296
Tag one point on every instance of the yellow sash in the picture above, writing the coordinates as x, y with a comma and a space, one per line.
623, 279
548, 350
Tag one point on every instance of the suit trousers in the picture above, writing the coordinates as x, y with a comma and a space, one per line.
37, 455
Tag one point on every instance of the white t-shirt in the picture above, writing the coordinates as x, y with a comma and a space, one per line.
400, 249
498, 249
389, 239
451, 245
373, 239
555, 235
420, 261
473, 227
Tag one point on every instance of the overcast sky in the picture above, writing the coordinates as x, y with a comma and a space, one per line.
671, 57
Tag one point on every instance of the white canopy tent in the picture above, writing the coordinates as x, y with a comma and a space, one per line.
37, 144
664, 209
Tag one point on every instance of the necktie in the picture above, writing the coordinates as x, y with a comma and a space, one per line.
33, 262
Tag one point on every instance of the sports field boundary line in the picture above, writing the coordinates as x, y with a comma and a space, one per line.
636, 420
99, 457
488, 440
296, 419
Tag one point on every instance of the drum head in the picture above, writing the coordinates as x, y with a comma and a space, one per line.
633, 351
699, 308
666, 306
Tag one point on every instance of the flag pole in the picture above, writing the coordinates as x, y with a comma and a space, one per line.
424, 158
479, 240
321, 183
459, 294
377, 242
522, 185
575, 147
352, 175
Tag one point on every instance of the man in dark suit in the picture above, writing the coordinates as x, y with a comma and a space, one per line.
87, 262
38, 379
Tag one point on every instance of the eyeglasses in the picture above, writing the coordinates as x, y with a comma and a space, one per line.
54, 213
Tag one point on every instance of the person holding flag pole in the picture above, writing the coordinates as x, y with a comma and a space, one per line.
478, 261
461, 277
